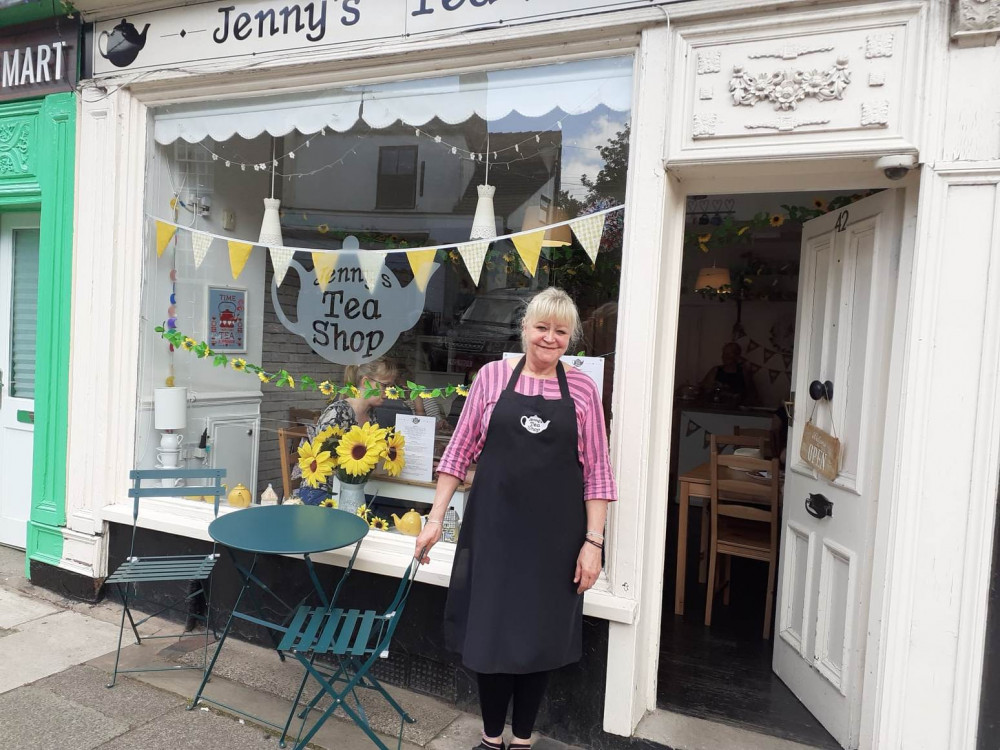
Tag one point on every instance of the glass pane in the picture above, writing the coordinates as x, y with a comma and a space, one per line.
24, 316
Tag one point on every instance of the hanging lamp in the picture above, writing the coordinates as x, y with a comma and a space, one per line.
484, 223
270, 227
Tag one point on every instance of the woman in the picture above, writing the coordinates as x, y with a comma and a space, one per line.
533, 529
346, 412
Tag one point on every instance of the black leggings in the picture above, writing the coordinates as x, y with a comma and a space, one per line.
495, 693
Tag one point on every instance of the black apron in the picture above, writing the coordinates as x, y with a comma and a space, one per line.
512, 604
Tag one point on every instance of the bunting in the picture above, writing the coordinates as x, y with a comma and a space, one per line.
164, 233
239, 254
371, 262
588, 231
692, 428
529, 247
706, 440
422, 263
474, 253
753, 367
751, 345
768, 353
281, 257
787, 359
324, 265
200, 242
773, 374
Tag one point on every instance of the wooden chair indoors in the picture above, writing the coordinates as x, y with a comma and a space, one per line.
745, 516
757, 432
288, 443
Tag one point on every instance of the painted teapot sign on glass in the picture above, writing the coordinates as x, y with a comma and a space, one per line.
345, 323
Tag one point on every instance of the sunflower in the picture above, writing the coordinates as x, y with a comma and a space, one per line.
316, 464
358, 452
375, 433
291, 381
393, 392
328, 432
353, 391
264, 377
426, 394
819, 204
462, 390
323, 228
363, 511
395, 456
239, 364
379, 524
330, 502
743, 230
326, 388
705, 237
703, 247
188, 343
776, 220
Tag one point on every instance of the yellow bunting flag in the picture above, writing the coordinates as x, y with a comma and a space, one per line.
239, 254
164, 233
324, 265
588, 231
371, 262
422, 263
529, 247
474, 253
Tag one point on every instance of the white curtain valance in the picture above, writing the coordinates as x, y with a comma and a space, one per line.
573, 88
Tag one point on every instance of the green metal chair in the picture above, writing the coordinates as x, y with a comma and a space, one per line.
194, 570
355, 640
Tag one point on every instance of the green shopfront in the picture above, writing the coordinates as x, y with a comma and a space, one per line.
40, 68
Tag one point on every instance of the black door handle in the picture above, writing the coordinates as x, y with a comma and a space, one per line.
818, 506
818, 390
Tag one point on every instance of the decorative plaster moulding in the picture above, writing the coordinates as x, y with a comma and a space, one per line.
832, 82
975, 22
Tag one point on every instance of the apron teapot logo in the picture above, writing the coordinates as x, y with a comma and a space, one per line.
534, 424
347, 324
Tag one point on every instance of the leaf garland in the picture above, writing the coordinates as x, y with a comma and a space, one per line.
283, 379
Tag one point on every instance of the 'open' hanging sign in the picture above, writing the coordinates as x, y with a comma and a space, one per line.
821, 451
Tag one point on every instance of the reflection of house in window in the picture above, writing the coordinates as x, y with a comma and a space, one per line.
397, 177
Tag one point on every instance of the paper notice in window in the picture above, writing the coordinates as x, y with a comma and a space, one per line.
419, 435
593, 367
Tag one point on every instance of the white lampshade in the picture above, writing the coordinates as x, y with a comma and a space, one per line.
270, 227
170, 408
713, 278
484, 223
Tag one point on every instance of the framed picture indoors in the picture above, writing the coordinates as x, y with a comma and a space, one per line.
227, 307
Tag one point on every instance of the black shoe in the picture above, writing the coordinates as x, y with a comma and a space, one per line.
484, 745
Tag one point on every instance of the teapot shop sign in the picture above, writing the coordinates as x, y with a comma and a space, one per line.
345, 323
39, 58
235, 30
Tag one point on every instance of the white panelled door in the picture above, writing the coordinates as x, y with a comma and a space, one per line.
18, 316
847, 290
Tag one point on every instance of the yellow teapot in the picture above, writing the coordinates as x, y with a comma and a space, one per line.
240, 497
410, 524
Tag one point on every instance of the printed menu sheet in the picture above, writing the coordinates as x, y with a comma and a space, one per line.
592, 367
419, 435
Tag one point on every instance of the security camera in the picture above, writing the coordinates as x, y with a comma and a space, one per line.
896, 166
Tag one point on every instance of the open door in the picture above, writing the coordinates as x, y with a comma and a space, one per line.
847, 290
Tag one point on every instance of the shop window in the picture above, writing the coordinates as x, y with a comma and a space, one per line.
551, 142
397, 177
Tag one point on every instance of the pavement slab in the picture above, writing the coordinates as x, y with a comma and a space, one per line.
34, 717
187, 729
16, 609
51, 644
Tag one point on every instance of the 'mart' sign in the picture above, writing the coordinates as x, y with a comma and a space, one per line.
232, 30
39, 58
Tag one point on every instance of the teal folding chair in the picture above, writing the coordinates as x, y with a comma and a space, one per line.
194, 570
354, 640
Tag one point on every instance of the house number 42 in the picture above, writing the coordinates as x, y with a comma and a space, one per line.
841, 224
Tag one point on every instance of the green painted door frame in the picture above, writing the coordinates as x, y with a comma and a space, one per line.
37, 173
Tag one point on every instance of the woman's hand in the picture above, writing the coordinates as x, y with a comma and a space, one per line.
588, 567
428, 537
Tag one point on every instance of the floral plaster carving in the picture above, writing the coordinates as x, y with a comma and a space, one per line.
704, 125
875, 114
784, 124
785, 89
879, 45
15, 139
709, 61
975, 19
790, 52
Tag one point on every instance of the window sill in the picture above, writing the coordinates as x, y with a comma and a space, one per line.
381, 553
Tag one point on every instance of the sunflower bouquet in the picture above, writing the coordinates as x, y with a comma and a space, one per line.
351, 456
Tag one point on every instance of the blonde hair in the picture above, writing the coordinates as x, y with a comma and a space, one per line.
552, 304
384, 370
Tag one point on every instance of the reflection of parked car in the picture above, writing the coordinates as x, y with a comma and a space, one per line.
489, 326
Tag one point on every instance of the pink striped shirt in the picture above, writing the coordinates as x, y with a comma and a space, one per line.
470, 436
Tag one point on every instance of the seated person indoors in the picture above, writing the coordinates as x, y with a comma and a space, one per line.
731, 376
347, 411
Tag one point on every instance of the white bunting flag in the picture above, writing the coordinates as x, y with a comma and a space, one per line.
474, 254
280, 258
371, 262
588, 231
200, 242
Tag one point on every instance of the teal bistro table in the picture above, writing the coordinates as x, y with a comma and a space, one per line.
278, 530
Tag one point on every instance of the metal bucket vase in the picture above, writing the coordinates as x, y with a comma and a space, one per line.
352, 497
